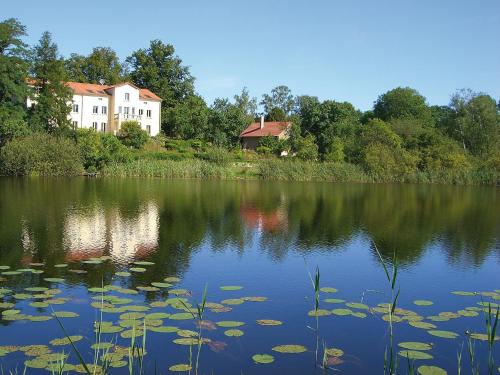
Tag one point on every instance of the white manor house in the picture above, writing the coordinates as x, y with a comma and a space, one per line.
105, 107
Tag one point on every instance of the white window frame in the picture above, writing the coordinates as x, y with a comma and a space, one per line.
103, 127
95, 110
94, 125
127, 97
148, 129
149, 113
141, 112
75, 124
104, 110
126, 110
76, 108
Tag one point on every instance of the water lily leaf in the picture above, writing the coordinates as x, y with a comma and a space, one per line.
181, 316
233, 301
138, 269
254, 299
163, 329
11, 273
61, 265
186, 333
414, 354
65, 314
327, 289
463, 293
355, 305
431, 370
423, 302
205, 324
172, 279
158, 315
341, 312
128, 334
39, 318
143, 263
231, 287
148, 288
78, 272
190, 341
118, 364
180, 368
234, 333
263, 358
123, 274
10, 312
415, 345
132, 316
39, 304
111, 329
65, 340
161, 285
333, 300
92, 261
468, 313
102, 345
36, 289
178, 292
289, 349
54, 279
482, 337
6, 305
2, 268
443, 334
229, 324
394, 318
36, 363
360, 315
269, 322
127, 291
334, 352
436, 318
449, 315
319, 312
22, 296
423, 325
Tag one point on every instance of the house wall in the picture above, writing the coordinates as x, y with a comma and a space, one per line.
85, 117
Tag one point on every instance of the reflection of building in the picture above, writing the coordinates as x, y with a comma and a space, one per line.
264, 221
100, 233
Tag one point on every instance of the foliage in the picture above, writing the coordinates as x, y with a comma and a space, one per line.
281, 98
132, 135
101, 65
51, 110
246, 104
216, 155
40, 154
402, 102
99, 149
226, 121
189, 119
306, 148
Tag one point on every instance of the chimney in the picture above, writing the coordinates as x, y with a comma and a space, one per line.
262, 121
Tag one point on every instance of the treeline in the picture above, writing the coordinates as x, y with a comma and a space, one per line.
402, 138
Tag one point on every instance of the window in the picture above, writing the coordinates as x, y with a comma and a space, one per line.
127, 97
133, 110
95, 110
94, 125
141, 112
148, 129
126, 110
75, 108
104, 110
103, 126
120, 109
148, 113
75, 124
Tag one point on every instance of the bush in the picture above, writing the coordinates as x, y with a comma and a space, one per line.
216, 155
99, 149
42, 155
132, 135
307, 149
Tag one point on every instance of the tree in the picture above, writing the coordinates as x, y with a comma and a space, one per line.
281, 97
159, 69
189, 119
102, 65
475, 122
402, 102
132, 135
53, 97
13, 74
246, 104
226, 122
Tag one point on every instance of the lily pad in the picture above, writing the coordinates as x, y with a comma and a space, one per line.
482, 337
143, 263
65, 340
65, 314
54, 279
39, 304
229, 324
61, 265
463, 293
172, 279
443, 334
263, 358
138, 269
161, 285
319, 312
36, 363
231, 287
414, 354
334, 352
333, 300
10, 312
123, 274
415, 345
327, 289
234, 333
163, 329
180, 368
269, 322
341, 312
292, 349
356, 305
181, 316
423, 325
233, 301
431, 370
423, 302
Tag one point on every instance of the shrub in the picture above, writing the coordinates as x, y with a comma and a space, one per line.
42, 155
99, 149
132, 135
307, 149
216, 155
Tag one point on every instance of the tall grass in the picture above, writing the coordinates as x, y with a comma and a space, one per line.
316, 286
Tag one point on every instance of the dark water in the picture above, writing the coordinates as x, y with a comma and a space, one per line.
259, 236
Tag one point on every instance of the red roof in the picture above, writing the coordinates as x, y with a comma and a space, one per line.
270, 128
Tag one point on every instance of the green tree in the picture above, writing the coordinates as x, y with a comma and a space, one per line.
132, 135
102, 65
98, 149
281, 97
13, 74
75, 68
53, 97
475, 122
159, 69
189, 119
402, 102
246, 104
226, 122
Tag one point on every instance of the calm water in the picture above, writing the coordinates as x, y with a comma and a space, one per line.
259, 236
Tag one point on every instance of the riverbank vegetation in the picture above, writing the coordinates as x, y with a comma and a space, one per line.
401, 139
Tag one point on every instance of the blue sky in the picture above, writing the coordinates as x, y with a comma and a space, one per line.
349, 50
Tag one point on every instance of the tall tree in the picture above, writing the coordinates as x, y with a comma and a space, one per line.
75, 67
53, 97
102, 65
281, 97
189, 119
13, 74
246, 104
159, 69
226, 122
402, 103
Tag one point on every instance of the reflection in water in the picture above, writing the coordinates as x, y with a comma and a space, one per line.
57, 221
100, 232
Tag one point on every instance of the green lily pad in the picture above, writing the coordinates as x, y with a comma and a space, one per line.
423, 325
423, 302
186, 333
132, 316
92, 261
360, 315
172, 279
319, 312
123, 274
333, 300
2, 268
6, 305
482, 337
468, 313
138, 269
39, 318
394, 318
234, 333
189, 341
254, 299
289, 349
10, 312
269, 322
181, 316
263, 358
102, 345
415, 345
110, 329
163, 329
148, 288
355, 305
334, 352
143, 263
61, 265
11, 273
414, 354
118, 364
431, 370
233, 301
65, 314
436, 318
179, 292
229, 324
128, 334
158, 315
65, 340
341, 312
180, 368
231, 287
443, 334
463, 293
36, 363
22, 296
161, 285
36, 289
54, 279
39, 304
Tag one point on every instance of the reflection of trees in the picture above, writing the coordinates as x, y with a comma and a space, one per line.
47, 219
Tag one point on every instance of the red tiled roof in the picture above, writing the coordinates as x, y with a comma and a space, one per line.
270, 128
146, 94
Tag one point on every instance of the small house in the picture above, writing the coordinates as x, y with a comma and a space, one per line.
252, 135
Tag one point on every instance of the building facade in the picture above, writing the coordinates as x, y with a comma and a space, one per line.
105, 107
251, 136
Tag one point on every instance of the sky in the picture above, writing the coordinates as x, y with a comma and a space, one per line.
349, 50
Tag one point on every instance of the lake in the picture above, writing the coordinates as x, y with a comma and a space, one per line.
68, 247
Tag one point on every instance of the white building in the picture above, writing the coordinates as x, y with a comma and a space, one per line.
105, 107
